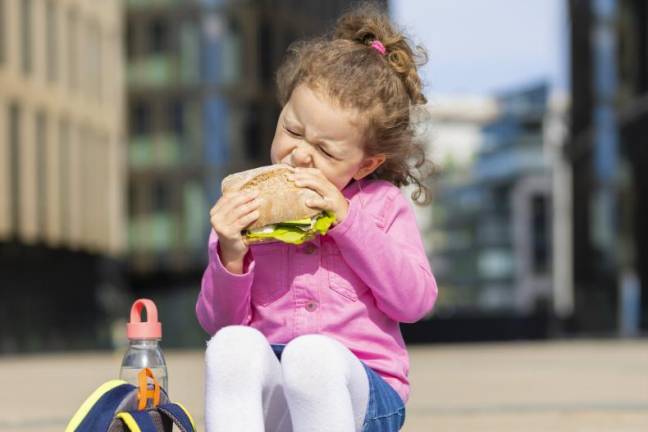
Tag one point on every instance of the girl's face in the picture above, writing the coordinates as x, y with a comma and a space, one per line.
314, 132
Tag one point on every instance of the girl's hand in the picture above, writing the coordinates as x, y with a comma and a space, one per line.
331, 199
231, 214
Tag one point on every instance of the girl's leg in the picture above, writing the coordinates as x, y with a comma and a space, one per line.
325, 384
243, 384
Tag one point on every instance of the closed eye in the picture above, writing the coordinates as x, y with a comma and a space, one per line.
292, 132
325, 152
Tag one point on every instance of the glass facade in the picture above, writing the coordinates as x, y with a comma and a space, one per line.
477, 251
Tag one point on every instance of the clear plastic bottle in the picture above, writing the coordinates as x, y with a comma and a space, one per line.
144, 348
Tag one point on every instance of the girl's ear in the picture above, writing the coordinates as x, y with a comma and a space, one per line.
369, 165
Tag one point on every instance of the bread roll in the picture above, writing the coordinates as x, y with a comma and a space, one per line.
280, 199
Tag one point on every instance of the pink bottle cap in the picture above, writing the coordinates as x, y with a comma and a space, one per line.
151, 328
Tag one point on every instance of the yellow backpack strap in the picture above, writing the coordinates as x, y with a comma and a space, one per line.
137, 421
179, 416
188, 415
90, 402
129, 421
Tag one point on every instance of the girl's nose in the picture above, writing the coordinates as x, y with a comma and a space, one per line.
300, 157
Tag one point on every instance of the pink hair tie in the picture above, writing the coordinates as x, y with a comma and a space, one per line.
378, 46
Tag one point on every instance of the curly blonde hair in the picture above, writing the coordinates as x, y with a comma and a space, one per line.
386, 89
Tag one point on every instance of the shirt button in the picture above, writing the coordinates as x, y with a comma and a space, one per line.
311, 306
310, 248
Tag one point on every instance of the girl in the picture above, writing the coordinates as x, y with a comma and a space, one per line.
307, 338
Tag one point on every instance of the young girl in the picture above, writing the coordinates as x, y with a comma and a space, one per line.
307, 338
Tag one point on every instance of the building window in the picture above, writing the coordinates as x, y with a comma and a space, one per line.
92, 60
130, 40
133, 208
26, 35
14, 166
541, 235
264, 44
177, 117
140, 118
159, 37
66, 165
161, 197
41, 172
3, 36
252, 132
72, 48
51, 34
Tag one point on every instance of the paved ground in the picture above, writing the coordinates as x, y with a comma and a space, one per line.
555, 386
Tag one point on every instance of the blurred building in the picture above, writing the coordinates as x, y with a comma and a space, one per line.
452, 131
62, 174
201, 105
608, 152
495, 220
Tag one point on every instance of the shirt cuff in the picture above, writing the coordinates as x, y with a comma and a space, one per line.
218, 266
342, 228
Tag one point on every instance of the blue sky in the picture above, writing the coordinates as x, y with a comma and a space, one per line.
485, 46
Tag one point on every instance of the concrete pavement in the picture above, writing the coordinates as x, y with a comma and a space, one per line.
544, 386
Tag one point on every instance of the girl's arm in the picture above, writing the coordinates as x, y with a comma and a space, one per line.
224, 297
392, 262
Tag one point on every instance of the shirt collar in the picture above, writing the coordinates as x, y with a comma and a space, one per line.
352, 188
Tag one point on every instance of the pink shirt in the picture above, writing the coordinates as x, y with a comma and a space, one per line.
355, 284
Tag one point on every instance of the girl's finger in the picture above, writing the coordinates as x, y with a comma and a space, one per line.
245, 209
319, 203
311, 183
310, 171
238, 199
244, 221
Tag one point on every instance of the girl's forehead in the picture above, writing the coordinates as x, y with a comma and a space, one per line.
317, 110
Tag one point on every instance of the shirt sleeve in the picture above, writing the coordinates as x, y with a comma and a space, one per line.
392, 262
224, 297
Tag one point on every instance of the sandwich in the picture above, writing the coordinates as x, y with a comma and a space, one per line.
283, 213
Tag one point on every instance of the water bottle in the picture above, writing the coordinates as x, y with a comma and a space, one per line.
144, 345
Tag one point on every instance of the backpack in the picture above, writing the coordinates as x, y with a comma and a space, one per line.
117, 406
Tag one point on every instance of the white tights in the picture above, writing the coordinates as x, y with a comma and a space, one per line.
318, 386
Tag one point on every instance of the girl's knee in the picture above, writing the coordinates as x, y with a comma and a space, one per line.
235, 346
311, 359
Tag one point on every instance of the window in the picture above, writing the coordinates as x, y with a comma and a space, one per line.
161, 197
14, 166
25, 36
159, 36
92, 60
41, 172
130, 40
252, 133
51, 34
264, 44
98, 66
72, 43
140, 118
65, 154
541, 235
3, 36
177, 117
132, 199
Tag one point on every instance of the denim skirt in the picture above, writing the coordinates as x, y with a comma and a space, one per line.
385, 410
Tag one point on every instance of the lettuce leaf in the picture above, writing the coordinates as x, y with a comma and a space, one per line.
291, 232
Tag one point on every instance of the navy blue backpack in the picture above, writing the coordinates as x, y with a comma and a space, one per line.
117, 406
